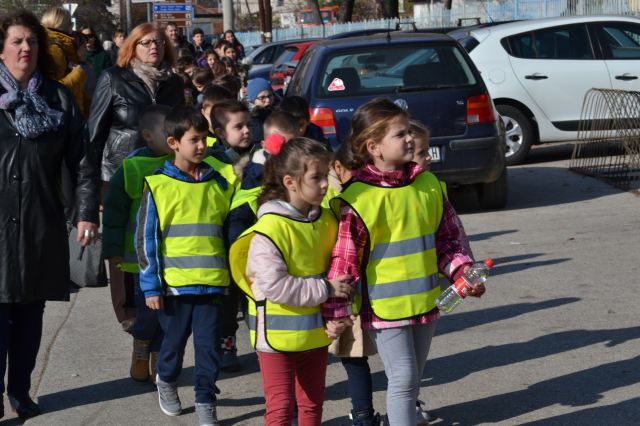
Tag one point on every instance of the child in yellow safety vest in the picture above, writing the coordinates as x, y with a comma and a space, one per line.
280, 264
119, 225
212, 95
396, 232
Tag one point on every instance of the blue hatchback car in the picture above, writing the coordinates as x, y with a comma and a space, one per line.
432, 77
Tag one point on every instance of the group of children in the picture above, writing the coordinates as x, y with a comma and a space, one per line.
334, 253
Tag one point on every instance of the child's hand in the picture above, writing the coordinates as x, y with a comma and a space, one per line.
335, 329
478, 289
338, 288
155, 302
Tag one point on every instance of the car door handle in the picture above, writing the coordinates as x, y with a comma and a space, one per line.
536, 77
626, 77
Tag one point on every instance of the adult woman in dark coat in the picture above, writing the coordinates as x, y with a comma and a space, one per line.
143, 77
41, 126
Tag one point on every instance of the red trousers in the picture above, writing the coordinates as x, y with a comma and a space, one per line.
291, 378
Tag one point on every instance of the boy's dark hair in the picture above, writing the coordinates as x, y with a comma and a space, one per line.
197, 31
213, 94
208, 52
202, 76
297, 106
229, 83
152, 116
344, 155
220, 43
219, 69
281, 121
118, 32
181, 118
186, 62
221, 111
291, 160
182, 52
188, 83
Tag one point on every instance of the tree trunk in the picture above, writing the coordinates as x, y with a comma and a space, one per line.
315, 9
267, 21
346, 10
447, 4
387, 9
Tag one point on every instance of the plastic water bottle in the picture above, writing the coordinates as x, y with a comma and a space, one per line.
451, 297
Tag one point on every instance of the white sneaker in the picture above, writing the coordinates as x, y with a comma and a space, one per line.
422, 417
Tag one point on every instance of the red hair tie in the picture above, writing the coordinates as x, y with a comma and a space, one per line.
274, 143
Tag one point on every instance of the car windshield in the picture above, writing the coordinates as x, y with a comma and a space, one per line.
288, 55
307, 17
393, 69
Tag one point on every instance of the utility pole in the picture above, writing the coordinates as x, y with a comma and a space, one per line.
127, 4
267, 21
227, 14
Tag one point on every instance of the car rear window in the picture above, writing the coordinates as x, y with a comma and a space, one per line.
287, 56
392, 69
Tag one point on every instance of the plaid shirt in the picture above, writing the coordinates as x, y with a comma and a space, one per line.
352, 247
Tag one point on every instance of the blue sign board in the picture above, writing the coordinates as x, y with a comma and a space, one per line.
173, 8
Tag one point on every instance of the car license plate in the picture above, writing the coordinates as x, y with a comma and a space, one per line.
434, 152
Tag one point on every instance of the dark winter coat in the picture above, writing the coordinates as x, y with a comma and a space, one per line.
315, 132
183, 44
258, 117
34, 249
118, 101
100, 60
200, 49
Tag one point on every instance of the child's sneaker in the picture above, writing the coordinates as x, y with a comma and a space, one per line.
230, 361
422, 417
153, 362
365, 418
207, 414
168, 398
140, 360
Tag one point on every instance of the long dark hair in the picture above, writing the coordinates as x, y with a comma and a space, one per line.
97, 43
291, 160
27, 19
236, 42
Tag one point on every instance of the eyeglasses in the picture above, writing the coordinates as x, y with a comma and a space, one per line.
264, 98
90, 36
146, 43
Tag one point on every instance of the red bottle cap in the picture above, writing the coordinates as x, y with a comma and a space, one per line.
489, 263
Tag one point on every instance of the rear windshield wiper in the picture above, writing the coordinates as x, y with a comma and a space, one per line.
401, 89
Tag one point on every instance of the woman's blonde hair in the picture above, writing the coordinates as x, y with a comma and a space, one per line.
128, 50
370, 122
57, 18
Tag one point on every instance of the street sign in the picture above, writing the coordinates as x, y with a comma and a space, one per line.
173, 16
171, 8
183, 24
71, 7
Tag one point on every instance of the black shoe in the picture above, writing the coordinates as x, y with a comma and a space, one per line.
365, 418
24, 406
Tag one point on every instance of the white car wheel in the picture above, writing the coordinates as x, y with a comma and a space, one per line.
514, 135
519, 134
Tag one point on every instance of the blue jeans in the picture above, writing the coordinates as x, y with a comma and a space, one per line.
182, 315
360, 383
20, 335
147, 325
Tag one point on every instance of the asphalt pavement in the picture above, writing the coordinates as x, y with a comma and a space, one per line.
555, 340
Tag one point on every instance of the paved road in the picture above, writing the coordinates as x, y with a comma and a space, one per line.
555, 341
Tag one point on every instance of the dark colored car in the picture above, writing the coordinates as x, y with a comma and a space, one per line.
265, 55
292, 53
432, 77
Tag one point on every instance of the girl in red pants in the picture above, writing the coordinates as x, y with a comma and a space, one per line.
280, 263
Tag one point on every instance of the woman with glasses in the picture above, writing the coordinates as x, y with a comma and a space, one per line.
142, 78
66, 70
96, 55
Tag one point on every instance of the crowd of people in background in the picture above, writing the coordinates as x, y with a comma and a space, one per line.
212, 187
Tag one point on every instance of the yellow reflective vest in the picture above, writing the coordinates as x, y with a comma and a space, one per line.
306, 248
192, 247
401, 272
247, 196
135, 170
331, 193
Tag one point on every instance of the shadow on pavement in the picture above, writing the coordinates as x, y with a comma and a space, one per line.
622, 413
582, 388
508, 268
463, 320
489, 235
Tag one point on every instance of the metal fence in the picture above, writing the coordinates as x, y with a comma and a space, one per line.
432, 16
608, 145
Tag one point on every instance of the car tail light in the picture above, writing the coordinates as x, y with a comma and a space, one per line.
480, 110
323, 117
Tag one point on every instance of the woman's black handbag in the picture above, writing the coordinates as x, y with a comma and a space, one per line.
91, 270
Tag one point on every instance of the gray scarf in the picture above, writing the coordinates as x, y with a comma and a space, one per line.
150, 75
33, 116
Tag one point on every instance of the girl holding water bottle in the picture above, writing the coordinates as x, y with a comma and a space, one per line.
396, 232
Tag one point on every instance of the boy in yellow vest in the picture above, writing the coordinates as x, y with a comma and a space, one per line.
119, 225
184, 268
211, 96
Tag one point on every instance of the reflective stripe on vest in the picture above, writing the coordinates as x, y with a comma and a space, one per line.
192, 247
247, 196
306, 249
401, 273
135, 169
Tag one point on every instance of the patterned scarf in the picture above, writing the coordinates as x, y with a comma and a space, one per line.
33, 116
151, 76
